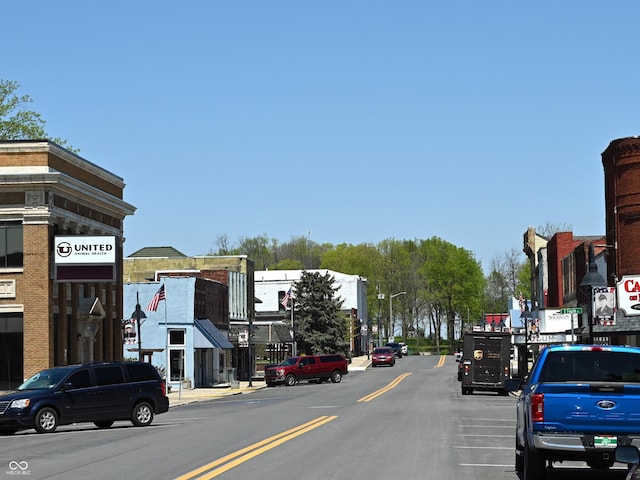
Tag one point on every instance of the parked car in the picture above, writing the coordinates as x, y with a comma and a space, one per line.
97, 392
458, 354
317, 368
396, 347
383, 356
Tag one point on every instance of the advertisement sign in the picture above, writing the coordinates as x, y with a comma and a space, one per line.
129, 331
84, 249
629, 295
604, 305
84, 258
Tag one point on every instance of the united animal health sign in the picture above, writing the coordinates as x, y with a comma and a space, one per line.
83, 258
629, 295
84, 249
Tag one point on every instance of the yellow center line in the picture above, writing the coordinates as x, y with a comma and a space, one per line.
440, 363
377, 393
234, 459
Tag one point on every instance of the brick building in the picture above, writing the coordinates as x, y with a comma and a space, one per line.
621, 162
47, 191
616, 255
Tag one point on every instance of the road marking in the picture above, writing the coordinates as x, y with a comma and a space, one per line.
488, 419
486, 448
393, 384
440, 363
234, 459
486, 426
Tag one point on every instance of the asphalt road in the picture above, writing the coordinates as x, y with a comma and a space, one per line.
404, 422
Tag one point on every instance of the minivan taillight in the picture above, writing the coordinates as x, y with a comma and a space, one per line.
537, 407
163, 387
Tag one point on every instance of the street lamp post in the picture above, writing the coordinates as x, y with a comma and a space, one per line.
380, 298
138, 314
391, 326
592, 279
523, 365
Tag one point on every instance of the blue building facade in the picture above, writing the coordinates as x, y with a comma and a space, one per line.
179, 337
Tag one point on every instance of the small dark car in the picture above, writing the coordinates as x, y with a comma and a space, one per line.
383, 356
97, 392
396, 347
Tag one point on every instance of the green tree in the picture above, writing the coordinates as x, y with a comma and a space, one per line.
320, 326
454, 284
17, 122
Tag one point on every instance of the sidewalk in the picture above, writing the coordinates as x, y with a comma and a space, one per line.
185, 396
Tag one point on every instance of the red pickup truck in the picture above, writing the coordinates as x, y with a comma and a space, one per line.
318, 368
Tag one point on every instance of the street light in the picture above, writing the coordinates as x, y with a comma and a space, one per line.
391, 326
523, 365
592, 279
138, 314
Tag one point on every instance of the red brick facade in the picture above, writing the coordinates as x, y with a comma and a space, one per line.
621, 162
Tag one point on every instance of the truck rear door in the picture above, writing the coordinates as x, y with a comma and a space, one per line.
590, 407
487, 360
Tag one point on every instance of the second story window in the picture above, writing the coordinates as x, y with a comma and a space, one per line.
11, 247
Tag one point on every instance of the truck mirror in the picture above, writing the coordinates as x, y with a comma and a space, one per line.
512, 384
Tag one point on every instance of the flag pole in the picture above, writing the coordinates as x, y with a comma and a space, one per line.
294, 350
167, 371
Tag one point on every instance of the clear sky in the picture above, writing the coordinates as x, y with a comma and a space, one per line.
348, 121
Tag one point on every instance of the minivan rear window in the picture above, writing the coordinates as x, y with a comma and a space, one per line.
140, 372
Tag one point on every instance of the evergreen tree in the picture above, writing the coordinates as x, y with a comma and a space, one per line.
320, 326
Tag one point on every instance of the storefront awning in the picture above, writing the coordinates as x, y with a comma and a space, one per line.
206, 335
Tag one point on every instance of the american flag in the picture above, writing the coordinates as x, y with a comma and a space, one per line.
157, 298
285, 299
521, 302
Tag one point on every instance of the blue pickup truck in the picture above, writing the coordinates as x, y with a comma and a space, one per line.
578, 403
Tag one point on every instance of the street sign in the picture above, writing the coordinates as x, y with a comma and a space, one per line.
572, 311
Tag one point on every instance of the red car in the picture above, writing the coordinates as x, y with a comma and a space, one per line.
383, 356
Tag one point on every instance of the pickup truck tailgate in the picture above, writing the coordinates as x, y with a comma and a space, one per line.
590, 407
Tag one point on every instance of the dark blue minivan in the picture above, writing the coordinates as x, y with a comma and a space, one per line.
97, 392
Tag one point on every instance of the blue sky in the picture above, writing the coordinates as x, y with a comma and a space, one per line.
345, 121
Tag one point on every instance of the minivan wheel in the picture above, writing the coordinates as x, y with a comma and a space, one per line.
290, 380
142, 414
103, 423
336, 376
46, 420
